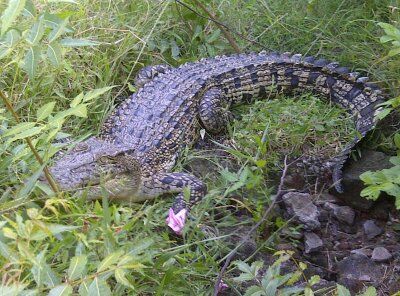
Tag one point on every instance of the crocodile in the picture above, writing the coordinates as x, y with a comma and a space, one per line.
139, 143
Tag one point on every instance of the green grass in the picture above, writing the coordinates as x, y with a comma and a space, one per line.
40, 234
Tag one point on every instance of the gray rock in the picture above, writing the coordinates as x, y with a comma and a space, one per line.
312, 242
344, 214
301, 206
371, 230
362, 252
381, 254
370, 161
354, 270
326, 197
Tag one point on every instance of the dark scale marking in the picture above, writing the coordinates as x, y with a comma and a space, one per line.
262, 92
289, 72
294, 81
354, 92
238, 82
247, 98
168, 180
312, 78
254, 78
330, 81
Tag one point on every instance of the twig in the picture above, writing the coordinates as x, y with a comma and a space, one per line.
47, 174
224, 28
250, 232
226, 33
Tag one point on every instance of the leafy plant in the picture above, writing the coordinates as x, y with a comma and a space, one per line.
343, 291
386, 180
392, 35
34, 35
272, 282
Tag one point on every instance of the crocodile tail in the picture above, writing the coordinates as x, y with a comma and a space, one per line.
346, 88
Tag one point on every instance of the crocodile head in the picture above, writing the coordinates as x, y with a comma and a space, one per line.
94, 162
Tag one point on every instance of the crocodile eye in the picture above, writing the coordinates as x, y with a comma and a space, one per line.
81, 147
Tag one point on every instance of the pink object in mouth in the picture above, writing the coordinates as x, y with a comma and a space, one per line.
176, 222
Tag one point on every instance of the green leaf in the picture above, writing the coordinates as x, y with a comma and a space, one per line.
54, 53
31, 60
342, 291
26, 134
61, 290
45, 111
63, 1
11, 290
42, 273
20, 127
77, 267
371, 192
29, 9
395, 160
14, 8
390, 29
255, 291
396, 140
77, 100
386, 38
12, 37
371, 291
394, 51
99, 287
96, 93
4, 51
59, 30
315, 279
6, 252
84, 288
37, 31
214, 36
121, 278
29, 184
109, 260
79, 111
70, 42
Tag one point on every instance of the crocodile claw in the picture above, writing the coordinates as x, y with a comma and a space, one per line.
176, 222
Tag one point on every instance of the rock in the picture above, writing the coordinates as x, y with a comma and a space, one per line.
371, 230
362, 252
326, 197
301, 206
354, 270
380, 254
370, 161
312, 242
344, 214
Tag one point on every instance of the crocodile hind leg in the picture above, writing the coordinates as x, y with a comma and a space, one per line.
175, 183
148, 73
213, 111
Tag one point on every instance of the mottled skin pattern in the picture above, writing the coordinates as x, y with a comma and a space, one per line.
141, 140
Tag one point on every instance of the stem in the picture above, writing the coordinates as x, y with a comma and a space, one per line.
46, 171
224, 31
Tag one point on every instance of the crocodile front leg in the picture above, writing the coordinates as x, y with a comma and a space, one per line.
213, 112
148, 73
175, 183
